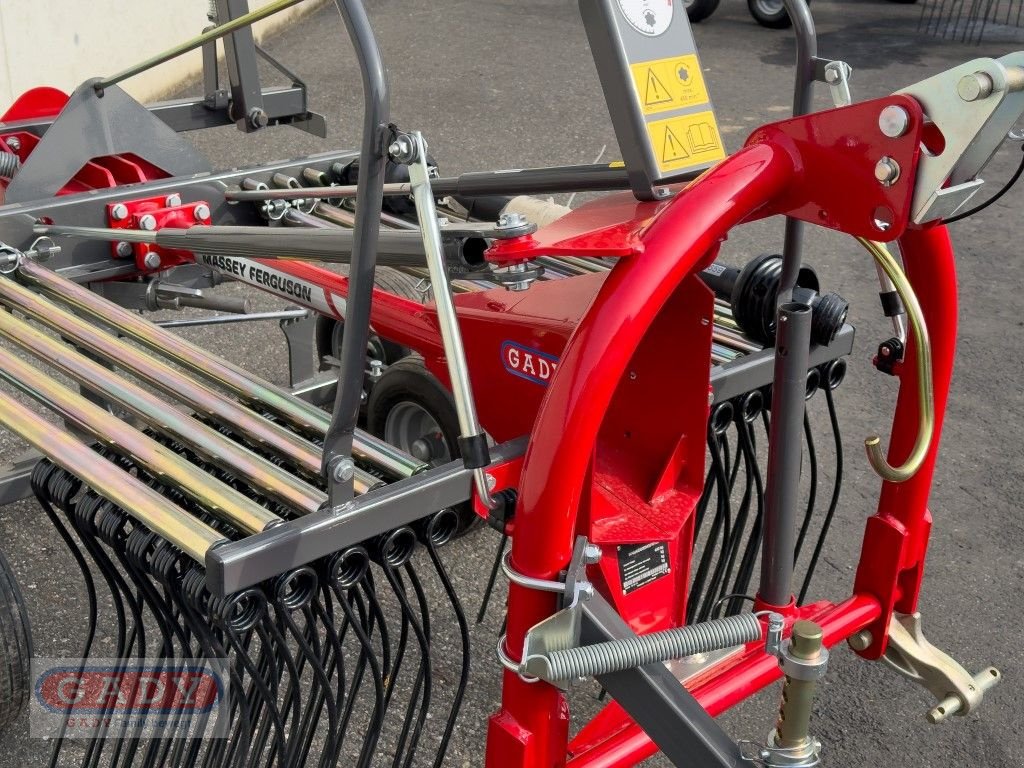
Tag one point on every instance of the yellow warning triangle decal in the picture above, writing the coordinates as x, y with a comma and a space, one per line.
656, 92
673, 149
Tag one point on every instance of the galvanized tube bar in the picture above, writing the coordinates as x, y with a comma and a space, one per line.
785, 447
263, 475
163, 377
170, 468
160, 515
300, 414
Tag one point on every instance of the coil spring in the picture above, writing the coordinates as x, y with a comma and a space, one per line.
9, 164
629, 653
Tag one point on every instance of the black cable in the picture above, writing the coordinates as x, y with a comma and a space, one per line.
1006, 188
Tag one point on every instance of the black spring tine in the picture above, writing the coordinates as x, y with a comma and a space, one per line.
812, 491
423, 669
723, 493
359, 619
742, 513
332, 662
287, 605
425, 677
719, 482
40, 478
460, 618
111, 524
266, 675
82, 519
746, 569
492, 579
833, 418
193, 604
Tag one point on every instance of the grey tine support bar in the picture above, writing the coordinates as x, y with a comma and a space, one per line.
362, 271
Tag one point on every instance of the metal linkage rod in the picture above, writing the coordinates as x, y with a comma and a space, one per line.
302, 415
157, 513
212, 446
218, 498
197, 42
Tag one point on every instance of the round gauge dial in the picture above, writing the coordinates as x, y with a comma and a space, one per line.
648, 17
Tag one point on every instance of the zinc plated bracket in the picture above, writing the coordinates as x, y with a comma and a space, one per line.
910, 654
974, 106
562, 629
836, 75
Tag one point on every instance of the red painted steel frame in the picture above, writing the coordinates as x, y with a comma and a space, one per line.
598, 327
531, 729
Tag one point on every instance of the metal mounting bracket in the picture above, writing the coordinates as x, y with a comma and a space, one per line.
974, 106
836, 75
561, 630
910, 654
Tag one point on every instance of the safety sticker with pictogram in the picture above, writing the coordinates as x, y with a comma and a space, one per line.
686, 141
669, 84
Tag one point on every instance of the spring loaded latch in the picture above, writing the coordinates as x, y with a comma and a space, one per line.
804, 661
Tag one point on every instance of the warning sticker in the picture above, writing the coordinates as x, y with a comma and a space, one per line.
682, 142
640, 564
669, 84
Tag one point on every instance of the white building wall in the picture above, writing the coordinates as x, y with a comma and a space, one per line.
62, 43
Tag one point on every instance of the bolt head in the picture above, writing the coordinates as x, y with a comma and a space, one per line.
13, 142
975, 87
402, 150
172, 201
124, 250
258, 118
860, 641
592, 554
511, 220
201, 212
119, 212
344, 470
887, 171
148, 222
152, 260
831, 75
894, 121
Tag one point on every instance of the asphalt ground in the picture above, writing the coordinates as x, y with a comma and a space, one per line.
507, 84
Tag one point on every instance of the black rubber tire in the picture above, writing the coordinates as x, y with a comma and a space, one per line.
698, 10
408, 380
15, 647
779, 20
329, 331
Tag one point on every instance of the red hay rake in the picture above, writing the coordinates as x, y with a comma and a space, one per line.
484, 357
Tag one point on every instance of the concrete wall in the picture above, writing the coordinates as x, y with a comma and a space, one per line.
61, 43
